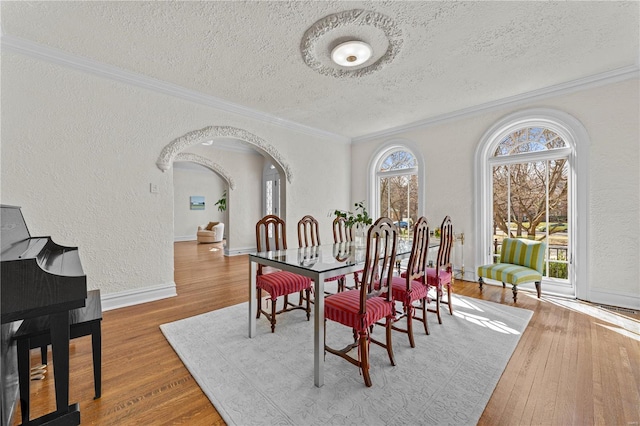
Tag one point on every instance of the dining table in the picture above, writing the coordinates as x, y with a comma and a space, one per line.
318, 263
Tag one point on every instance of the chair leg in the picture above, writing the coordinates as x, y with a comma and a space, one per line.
341, 284
424, 316
438, 306
449, 294
409, 311
389, 342
273, 314
515, 293
538, 289
308, 291
480, 281
259, 296
363, 350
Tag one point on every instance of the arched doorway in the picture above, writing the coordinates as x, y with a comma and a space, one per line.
174, 151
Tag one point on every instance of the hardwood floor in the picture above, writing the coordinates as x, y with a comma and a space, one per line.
570, 367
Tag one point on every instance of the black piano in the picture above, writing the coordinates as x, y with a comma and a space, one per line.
38, 277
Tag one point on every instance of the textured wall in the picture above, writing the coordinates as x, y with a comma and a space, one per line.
610, 115
79, 153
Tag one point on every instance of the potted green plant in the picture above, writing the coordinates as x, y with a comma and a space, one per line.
222, 202
358, 220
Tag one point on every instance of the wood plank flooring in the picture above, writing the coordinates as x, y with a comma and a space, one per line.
570, 368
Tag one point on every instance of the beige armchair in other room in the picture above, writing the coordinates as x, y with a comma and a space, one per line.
214, 235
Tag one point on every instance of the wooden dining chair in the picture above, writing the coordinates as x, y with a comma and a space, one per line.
442, 275
271, 235
309, 236
360, 309
411, 286
344, 234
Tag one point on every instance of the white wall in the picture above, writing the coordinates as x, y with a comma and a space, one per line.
610, 115
79, 154
244, 201
187, 183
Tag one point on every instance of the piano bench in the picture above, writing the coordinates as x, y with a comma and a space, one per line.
34, 333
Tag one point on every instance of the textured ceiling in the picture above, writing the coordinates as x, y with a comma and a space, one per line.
450, 55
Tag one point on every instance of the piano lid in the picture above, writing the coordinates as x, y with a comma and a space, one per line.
12, 226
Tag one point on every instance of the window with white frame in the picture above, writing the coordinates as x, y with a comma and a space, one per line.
530, 183
527, 186
397, 187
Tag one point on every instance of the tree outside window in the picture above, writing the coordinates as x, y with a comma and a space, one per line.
398, 189
530, 193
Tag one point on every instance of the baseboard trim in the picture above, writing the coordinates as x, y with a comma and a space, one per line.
185, 238
239, 251
135, 297
612, 298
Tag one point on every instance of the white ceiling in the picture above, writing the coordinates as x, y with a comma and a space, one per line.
451, 55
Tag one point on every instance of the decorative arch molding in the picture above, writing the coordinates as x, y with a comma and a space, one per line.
175, 147
203, 161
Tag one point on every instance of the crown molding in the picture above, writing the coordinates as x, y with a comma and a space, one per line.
56, 56
620, 74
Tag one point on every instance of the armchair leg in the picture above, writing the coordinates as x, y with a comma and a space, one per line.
515, 293
538, 290
480, 281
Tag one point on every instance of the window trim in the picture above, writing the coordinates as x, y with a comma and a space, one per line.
577, 138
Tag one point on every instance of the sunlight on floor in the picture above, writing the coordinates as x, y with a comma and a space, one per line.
464, 304
624, 325
480, 320
498, 326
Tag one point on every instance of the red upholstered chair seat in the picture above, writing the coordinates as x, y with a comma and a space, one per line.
345, 308
282, 282
399, 290
445, 277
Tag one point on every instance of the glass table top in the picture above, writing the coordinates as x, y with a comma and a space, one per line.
328, 257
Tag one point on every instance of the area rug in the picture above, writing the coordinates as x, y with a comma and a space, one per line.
446, 379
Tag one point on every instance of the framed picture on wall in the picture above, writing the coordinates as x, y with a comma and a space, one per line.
196, 202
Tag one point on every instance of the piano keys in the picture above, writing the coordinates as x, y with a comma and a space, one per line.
38, 277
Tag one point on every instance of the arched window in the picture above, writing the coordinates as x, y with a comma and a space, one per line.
397, 178
528, 189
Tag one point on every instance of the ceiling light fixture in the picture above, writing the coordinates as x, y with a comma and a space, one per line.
351, 53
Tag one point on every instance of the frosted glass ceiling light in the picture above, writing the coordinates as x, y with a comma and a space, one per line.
351, 53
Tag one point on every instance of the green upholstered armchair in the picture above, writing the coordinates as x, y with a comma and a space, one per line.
521, 261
